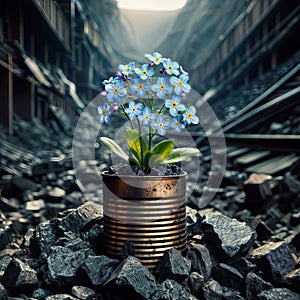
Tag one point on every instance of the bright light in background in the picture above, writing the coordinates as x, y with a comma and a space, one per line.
157, 5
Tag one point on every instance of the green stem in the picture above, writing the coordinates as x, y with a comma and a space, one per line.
123, 111
141, 144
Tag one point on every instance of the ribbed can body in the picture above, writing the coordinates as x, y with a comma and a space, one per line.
149, 211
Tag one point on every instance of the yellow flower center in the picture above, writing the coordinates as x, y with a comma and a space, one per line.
161, 125
144, 72
116, 90
157, 59
174, 104
104, 112
133, 109
170, 67
140, 86
189, 115
162, 87
177, 124
180, 83
127, 69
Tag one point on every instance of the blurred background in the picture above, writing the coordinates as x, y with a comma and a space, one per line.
242, 57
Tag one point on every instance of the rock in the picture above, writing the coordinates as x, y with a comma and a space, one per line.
35, 205
255, 285
263, 231
171, 290
278, 294
212, 290
194, 284
127, 249
3, 293
60, 297
75, 219
293, 279
228, 276
227, 236
295, 218
5, 231
40, 293
64, 262
27, 279
45, 237
200, 260
173, 266
99, 268
10, 276
82, 292
274, 259
244, 266
130, 278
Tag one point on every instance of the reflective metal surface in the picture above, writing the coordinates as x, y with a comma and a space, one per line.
149, 211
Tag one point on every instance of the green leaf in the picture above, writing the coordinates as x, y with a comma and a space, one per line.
137, 145
159, 153
114, 147
181, 154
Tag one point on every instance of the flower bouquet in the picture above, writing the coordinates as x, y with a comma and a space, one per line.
150, 97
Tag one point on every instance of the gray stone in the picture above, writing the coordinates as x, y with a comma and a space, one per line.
173, 266
200, 260
244, 266
27, 280
64, 262
274, 259
99, 268
45, 235
130, 278
82, 292
228, 276
255, 285
60, 297
227, 236
194, 284
78, 218
3, 293
212, 290
171, 290
278, 294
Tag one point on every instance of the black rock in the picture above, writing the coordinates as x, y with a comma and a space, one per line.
82, 292
255, 285
263, 231
5, 231
295, 219
293, 279
194, 284
228, 276
85, 215
10, 276
244, 266
171, 290
99, 268
61, 297
227, 236
200, 260
173, 266
274, 259
40, 293
130, 278
27, 279
44, 238
278, 294
212, 290
3, 293
63, 262
127, 249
